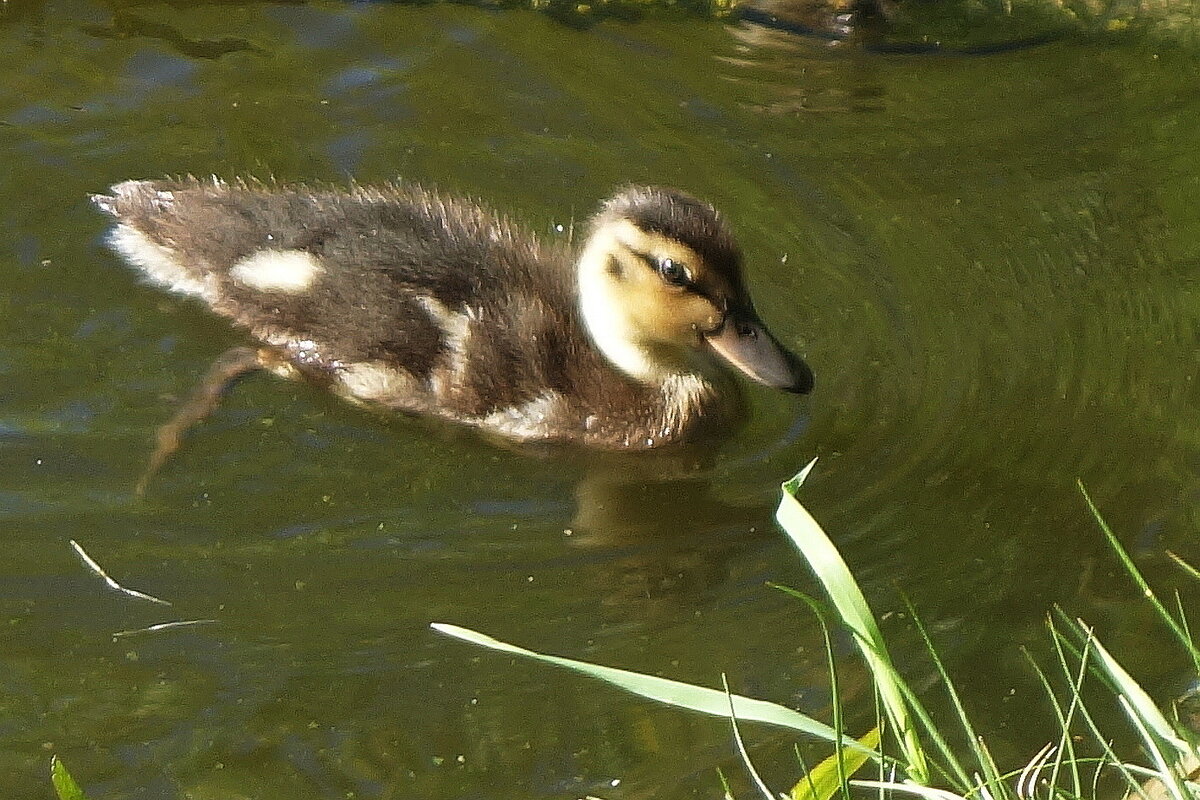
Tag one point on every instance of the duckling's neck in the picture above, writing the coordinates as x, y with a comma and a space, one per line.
619, 347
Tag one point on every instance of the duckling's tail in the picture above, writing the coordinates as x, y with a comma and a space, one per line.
140, 208
133, 201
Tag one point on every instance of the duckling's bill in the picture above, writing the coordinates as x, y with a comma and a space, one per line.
744, 341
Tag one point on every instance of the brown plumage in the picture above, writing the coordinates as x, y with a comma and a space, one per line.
400, 297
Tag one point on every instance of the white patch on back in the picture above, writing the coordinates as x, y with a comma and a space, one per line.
377, 383
456, 329
532, 420
455, 325
159, 263
287, 271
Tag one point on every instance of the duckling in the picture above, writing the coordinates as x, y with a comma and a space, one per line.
400, 297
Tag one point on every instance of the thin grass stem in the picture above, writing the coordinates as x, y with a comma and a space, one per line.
1111, 757
741, 745
1136, 574
964, 720
1000, 785
953, 772
807, 773
1185, 566
91, 564
726, 792
163, 626
1065, 745
834, 686
1096, 779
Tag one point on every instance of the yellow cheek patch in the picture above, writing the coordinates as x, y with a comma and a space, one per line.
671, 316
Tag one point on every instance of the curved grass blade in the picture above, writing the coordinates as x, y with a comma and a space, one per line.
741, 745
676, 693
1127, 562
1168, 780
827, 564
1140, 706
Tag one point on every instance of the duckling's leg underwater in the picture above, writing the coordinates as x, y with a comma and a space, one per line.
229, 366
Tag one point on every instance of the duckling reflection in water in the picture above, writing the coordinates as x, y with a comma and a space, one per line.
402, 298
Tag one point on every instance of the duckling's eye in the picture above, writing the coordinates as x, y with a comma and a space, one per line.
673, 272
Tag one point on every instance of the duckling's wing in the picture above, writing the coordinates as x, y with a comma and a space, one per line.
395, 279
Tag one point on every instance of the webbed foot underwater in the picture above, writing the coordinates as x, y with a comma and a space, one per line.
402, 298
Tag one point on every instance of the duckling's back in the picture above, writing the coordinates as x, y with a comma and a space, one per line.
394, 296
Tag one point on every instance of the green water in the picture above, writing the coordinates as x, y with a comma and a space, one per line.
990, 262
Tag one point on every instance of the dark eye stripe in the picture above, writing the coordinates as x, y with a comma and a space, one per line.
651, 262
685, 277
721, 303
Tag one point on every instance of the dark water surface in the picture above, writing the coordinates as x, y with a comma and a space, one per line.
991, 263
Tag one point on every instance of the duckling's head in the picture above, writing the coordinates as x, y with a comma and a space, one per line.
661, 289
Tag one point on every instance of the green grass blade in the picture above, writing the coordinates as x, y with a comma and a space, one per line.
1152, 726
1066, 746
1142, 585
834, 684
64, 785
847, 598
953, 772
1064, 646
1131, 692
828, 778
982, 759
1167, 776
675, 693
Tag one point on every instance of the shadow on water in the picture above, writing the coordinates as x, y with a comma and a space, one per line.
126, 24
